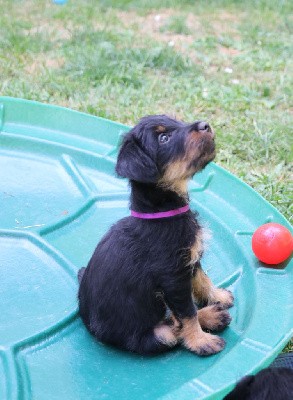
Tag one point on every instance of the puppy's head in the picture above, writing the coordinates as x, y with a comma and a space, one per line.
270, 383
163, 150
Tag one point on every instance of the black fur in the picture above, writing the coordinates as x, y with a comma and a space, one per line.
268, 384
141, 267
80, 274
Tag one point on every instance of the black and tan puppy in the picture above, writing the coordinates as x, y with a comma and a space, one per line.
268, 384
148, 264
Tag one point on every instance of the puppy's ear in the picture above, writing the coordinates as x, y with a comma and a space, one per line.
242, 391
133, 162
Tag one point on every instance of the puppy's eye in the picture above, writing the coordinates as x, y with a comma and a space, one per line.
164, 138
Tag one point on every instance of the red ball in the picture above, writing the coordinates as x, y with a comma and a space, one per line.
272, 243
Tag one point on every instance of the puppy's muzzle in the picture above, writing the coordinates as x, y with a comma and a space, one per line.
204, 128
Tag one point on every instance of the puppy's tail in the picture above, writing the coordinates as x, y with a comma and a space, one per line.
80, 274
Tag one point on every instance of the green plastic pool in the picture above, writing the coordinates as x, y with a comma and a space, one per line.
58, 196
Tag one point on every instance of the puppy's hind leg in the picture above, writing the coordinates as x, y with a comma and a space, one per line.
206, 293
160, 339
188, 330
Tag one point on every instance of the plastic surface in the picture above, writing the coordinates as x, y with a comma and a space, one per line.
58, 197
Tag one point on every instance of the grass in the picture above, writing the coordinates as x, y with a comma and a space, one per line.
176, 24
225, 61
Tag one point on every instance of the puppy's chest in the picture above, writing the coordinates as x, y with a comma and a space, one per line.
194, 241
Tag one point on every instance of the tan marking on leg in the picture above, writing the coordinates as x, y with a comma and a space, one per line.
225, 297
201, 286
214, 317
165, 334
205, 291
195, 339
176, 326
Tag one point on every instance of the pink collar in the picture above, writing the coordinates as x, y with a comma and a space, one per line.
163, 214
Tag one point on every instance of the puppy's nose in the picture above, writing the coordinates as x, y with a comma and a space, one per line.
203, 127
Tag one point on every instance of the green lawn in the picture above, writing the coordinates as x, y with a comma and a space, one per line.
224, 61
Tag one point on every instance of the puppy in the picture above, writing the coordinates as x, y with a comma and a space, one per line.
268, 384
139, 289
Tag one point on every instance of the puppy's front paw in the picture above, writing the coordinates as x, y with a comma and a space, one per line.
205, 344
214, 317
224, 296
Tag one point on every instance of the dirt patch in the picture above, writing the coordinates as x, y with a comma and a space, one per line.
198, 25
54, 30
228, 16
229, 51
41, 62
151, 26
225, 23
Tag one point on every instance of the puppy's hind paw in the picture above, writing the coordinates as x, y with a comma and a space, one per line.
214, 317
224, 296
206, 344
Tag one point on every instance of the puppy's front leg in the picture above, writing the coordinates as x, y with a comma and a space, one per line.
195, 339
178, 296
205, 292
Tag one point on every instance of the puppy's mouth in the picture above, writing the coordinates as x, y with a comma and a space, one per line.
208, 156
209, 148
201, 149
